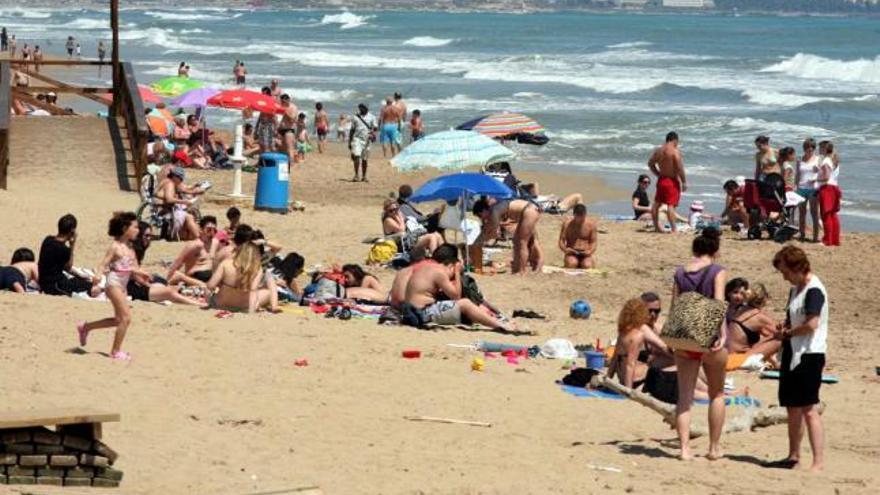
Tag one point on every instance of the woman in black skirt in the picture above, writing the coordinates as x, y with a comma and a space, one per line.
803, 336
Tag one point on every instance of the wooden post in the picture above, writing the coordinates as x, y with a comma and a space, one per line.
117, 75
5, 97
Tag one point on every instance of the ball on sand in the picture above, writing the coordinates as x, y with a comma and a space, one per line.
580, 310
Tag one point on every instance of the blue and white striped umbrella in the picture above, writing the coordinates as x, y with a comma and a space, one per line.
452, 150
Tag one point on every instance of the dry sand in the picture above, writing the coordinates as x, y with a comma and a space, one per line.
217, 406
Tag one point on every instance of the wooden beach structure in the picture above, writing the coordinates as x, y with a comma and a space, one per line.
126, 125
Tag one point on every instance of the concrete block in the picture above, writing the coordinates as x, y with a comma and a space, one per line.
79, 472
15, 436
46, 437
50, 480
63, 460
20, 471
33, 460
4, 480
51, 472
101, 448
8, 459
77, 482
78, 443
20, 448
109, 473
48, 449
22, 480
105, 483
94, 460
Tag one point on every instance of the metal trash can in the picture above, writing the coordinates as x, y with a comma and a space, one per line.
273, 180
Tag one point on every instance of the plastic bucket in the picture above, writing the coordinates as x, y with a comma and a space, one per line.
595, 360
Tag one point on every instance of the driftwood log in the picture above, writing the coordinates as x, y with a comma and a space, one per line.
743, 419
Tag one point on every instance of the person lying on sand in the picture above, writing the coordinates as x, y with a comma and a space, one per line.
23, 270
363, 286
578, 239
239, 284
434, 289
526, 249
195, 259
155, 289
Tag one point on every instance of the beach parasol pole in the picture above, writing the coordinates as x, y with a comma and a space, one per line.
237, 160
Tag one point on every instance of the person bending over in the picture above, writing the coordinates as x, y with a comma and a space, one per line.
526, 249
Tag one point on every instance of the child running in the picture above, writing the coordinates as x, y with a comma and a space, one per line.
119, 264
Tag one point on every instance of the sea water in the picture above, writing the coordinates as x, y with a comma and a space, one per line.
607, 87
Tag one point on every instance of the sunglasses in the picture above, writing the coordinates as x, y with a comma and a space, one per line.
646, 182
654, 312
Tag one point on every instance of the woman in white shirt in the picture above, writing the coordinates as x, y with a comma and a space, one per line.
807, 173
829, 194
803, 336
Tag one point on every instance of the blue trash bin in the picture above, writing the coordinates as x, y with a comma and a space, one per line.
273, 180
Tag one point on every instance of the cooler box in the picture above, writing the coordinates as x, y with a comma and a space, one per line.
273, 180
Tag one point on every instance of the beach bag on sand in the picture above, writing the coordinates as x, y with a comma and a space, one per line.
694, 322
382, 252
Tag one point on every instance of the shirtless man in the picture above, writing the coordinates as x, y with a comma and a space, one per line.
275, 90
578, 239
389, 128
666, 163
322, 126
526, 249
169, 194
441, 276
287, 128
195, 258
400, 106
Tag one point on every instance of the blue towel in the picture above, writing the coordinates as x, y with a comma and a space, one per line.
583, 392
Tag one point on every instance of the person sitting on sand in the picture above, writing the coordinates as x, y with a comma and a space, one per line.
735, 213
154, 289
412, 236
641, 203
119, 265
749, 328
363, 286
170, 195
526, 249
250, 146
434, 290
56, 261
237, 283
578, 240
221, 252
20, 273
630, 340
195, 258
233, 215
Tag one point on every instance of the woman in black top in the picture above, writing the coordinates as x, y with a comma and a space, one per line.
640, 202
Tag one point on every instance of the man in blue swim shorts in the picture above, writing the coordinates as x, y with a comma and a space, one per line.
389, 128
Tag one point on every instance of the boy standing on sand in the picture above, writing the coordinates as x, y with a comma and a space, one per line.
417, 128
666, 163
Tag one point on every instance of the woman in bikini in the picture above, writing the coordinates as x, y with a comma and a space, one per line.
704, 276
156, 290
394, 224
765, 159
119, 265
630, 339
749, 327
238, 282
361, 285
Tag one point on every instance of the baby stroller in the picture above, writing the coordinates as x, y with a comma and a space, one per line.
764, 201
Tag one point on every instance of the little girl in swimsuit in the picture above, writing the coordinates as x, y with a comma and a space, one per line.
119, 264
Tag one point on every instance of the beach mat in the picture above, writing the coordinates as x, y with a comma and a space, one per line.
606, 394
774, 375
575, 271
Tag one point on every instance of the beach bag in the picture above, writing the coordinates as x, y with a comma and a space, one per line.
694, 322
469, 290
382, 252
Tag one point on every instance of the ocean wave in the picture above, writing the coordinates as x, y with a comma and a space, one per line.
322, 95
428, 41
774, 99
346, 20
759, 126
194, 31
808, 66
631, 44
171, 16
89, 24
528, 94
25, 13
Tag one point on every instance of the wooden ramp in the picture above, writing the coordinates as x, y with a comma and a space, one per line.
69, 150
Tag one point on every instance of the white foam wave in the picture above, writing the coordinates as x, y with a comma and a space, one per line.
758, 126
194, 31
528, 94
808, 66
774, 99
346, 20
632, 44
428, 41
322, 95
871, 215
26, 13
89, 24
171, 16
867, 98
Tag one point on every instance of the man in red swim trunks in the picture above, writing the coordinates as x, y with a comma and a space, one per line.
667, 165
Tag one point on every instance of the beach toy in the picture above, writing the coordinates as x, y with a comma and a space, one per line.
273, 181
477, 364
301, 362
512, 360
595, 360
580, 310
411, 354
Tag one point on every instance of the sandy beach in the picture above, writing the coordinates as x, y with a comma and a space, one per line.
213, 406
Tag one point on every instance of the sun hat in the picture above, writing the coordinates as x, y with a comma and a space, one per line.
697, 206
178, 172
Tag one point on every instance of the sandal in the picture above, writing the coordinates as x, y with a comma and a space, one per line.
782, 464
83, 334
120, 356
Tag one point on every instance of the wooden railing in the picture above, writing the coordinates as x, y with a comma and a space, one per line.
5, 95
127, 104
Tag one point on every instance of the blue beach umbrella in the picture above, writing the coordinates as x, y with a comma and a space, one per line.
454, 186
452, 150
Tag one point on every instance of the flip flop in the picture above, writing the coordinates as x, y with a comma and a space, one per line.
83, 334
120, 356
782, 464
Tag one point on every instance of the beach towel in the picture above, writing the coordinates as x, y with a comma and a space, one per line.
575, 271
585, 392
